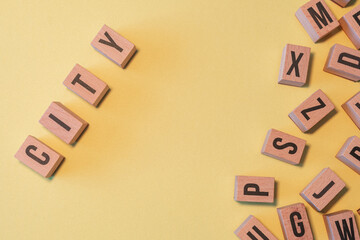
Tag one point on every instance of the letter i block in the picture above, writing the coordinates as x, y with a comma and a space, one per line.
350, 153
352, 108
86, 85
113, 46
63, 123
322, 189
294, 65
311, 111
283, 146
295, 222
343, 62
317, 19
39, 157
252, 228
254, 189
350, 23
341, 225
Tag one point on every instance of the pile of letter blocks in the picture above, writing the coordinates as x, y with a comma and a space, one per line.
326, 187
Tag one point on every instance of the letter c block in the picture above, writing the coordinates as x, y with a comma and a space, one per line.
254, 189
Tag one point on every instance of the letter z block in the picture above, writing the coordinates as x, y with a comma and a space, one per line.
343, 62
350, 153
341, 225
86, 85
317, 19
323, 189
352, 108
63, 123
311, 111
39, 157
350, 23
252, 228
254, 189
295, 222
294, 65
341, 3
113, 46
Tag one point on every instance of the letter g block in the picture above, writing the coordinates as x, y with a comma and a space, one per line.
254, 189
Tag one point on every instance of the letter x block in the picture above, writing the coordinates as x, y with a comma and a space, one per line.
63, 123
350, 153
341, 3
294, 65
295, 222
317, 19
352, 108
39, 157
86, 85
113, 46
350, 23
252, 228
254, 189
311, 111
341, 225
343, 62
322, 189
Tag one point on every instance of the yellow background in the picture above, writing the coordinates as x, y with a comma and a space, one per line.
189, 113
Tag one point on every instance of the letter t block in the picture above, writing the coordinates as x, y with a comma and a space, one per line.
254, 189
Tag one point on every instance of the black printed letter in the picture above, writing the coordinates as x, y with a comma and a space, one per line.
295, 63
300, 224
347, 63
346, 233
42, 162
112, 43
327, 188
256, 190
305, 111
82, 83
322, 17
289, 144
261, 234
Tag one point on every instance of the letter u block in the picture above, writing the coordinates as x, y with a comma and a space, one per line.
349, 154
350, 23
252, 228
254, 189
343, 62
295, 222
341, 225
323, 189
317, 19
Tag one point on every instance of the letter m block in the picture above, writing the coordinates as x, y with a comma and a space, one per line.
254, 189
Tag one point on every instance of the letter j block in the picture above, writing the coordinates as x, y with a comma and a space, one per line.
254, 189
252, 228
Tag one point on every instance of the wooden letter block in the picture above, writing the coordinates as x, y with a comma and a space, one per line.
113, 46
252, 229
350, 23
63, 123
283, 146
254, 189
39, 157
352, 108
86, 85
295, 222
322, 189
341, 225
311, 111
350, 153
343, 62
317, 19
341, 3
294, 65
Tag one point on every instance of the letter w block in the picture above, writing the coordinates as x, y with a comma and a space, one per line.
341, 225
254, 189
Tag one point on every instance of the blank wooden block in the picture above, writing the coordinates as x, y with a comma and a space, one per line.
350, 23
254, 189
343, 62
341, 225
324, 188
252, 229
39, 157
63, 123
294, 65
113, 46
295, 222
341, 3
283, 146
317, 19
350, 153
352, 108
86, 85
311, 111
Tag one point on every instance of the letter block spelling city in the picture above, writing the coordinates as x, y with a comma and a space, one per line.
294, 65
322, 189
283, 146
252, 229
341, 225
113, 46
341, 3
39, 157
343, 62
311, 111
352, 108
350, 153
86, 85
254, 189
317, 19
295, 222
350, 23
63, 123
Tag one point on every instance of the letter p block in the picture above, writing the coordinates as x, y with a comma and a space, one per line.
254, 189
